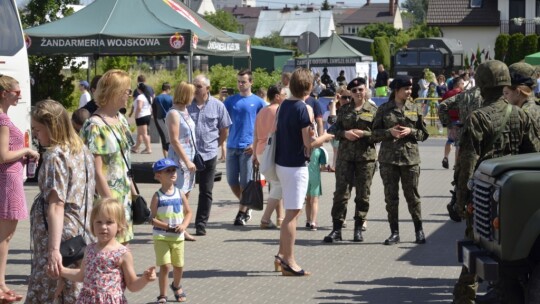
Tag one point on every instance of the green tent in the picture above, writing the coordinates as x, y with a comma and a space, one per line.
533, 59
334, 52
134, 27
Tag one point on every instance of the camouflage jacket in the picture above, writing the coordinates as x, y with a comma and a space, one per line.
478, 143
362, 149
403, 151
532, 109
464, 102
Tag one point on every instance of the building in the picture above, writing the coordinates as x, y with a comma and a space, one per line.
220, 4
248, 17
201, 7
372, 13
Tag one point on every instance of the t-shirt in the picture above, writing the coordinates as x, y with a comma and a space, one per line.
292, 118
85, 98
243, 111
146, 107
162, 104
316, 105
382, 79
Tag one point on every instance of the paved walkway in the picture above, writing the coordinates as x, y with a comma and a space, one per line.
235, 264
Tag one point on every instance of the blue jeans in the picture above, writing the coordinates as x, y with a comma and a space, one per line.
239, 167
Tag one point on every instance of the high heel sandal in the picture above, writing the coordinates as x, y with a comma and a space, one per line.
287, 271
277, 264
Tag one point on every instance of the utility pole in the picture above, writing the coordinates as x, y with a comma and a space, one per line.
320, 12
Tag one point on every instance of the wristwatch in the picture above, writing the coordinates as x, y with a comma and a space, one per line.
172, 228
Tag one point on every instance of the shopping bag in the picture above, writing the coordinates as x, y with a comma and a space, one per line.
252, 196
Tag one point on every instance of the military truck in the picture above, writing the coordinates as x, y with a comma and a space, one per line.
506, 208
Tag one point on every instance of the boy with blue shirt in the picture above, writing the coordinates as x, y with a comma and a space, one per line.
243, 108
172, 215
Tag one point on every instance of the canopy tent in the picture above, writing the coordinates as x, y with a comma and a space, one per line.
134, 27
335, 54
533, 59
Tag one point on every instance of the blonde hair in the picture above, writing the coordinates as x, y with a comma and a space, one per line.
184, 92
112, 84
7, 82
523, 89
56, 119
111, 207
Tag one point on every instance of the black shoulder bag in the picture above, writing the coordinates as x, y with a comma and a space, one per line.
72, 250
139, 207
197, 158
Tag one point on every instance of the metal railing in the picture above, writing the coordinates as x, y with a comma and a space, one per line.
527, 27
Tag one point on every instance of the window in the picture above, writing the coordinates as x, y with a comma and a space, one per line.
476, 3
407, 58
516, 9
431, 59
11, 40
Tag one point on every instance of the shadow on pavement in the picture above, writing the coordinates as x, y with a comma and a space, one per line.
214, 273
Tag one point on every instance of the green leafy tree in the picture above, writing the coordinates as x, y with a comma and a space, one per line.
398, 37
274, 40
530, 44
325, 6
515, 48
501, 47
222, 76
417, 9
223, 20
378, 30
261, 78
50, 81
117, 62
423, 31
381, 50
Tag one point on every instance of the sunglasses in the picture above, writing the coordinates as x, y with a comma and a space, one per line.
357, 90
346, 97
17, 93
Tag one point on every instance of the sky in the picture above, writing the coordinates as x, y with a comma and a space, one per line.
279, 3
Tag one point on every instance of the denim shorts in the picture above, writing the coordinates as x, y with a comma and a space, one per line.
239, 167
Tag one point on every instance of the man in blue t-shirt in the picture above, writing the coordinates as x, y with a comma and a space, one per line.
161, 105
318, 113
243, 108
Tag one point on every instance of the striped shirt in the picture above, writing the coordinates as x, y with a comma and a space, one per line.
170, 211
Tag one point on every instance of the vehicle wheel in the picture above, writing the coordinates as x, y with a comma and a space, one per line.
532, 294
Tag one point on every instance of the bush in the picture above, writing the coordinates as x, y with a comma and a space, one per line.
530, 44
501, 46
381, 48
515, 48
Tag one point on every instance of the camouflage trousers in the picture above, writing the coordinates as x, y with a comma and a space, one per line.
409, 175
357, 174
467, 284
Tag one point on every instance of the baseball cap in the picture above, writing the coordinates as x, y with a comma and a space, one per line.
84, 83
163, 164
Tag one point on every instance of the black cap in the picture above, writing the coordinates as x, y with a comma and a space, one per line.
356, 82
400, 81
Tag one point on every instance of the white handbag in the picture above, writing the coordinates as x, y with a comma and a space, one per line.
267, 164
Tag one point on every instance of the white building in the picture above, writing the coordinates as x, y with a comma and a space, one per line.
220, 4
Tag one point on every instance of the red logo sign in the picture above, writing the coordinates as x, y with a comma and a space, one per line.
177, 41
27, 41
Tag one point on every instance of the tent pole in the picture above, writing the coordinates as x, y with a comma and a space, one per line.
89, 68
190, 67
249, 62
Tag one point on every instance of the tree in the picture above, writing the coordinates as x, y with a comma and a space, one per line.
501, 47
325, 6
50, 82
515, 48
381, 50
117, 62
530, 44
378, 30
223, 20
274, 40
417, 9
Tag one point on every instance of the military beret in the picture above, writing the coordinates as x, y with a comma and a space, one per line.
400, 81
356, 82
522, 73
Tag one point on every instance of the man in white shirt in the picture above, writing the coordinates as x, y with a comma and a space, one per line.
84, 86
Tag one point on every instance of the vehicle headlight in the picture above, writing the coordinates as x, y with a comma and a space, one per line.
496, 194
470, 184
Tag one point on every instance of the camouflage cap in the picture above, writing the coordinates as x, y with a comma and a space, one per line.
522, 73
492, 73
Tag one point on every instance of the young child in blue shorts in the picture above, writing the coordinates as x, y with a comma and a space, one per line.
172, 215
317, 161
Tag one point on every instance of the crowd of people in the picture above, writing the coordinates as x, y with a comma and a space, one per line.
85, 178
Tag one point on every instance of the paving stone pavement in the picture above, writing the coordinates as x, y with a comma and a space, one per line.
235, 264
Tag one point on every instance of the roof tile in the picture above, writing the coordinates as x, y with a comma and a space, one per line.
459, 13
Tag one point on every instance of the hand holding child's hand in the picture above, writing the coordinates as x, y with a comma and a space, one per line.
150, 274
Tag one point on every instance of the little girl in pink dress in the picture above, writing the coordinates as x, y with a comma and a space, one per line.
107, 267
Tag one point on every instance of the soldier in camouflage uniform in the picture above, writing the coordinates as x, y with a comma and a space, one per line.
494, 130
464, 102
521, 94
399, 126
355, 164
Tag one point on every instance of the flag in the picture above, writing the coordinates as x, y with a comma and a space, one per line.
473, 59
487, 55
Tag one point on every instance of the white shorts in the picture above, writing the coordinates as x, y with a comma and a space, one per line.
294, 184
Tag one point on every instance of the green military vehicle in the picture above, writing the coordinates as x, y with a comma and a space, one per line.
506, 207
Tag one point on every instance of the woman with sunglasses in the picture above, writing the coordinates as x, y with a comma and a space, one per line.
355, 162
13, 156
399, 125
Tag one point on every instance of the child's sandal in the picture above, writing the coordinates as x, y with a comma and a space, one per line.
161, 299
180, 297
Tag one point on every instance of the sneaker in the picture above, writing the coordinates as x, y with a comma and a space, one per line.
247, 215
313, 227
240, 219
445, 163
308, 225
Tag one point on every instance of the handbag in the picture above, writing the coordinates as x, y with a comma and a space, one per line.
252, 195
72, 250
267, 163
198, 161
140, 213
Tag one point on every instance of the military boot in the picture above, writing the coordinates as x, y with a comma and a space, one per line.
452, 213
358, 231
419, 233
335, 234
394, 237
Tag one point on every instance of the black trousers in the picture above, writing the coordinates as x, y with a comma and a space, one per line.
206, 186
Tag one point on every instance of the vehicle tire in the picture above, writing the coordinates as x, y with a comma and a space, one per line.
532, 293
